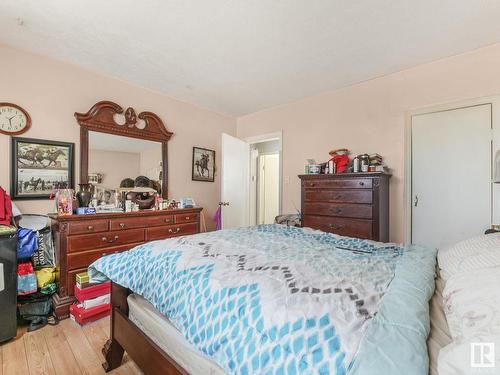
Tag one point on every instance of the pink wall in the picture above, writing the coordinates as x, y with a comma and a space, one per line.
114, 166
370, 117
52, 92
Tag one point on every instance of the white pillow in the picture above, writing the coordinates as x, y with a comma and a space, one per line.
451, 259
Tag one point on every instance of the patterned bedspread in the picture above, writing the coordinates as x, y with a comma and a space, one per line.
273, 299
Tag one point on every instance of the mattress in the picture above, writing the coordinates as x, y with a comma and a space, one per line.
159, 329
439, 335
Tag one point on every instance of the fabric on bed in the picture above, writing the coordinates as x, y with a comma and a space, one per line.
439, 335
471, 298
471, 254
276, 299
159, 329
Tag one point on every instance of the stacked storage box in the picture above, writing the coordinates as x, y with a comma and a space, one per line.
93, 300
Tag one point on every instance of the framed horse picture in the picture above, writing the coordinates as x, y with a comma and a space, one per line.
38, 167
203, 168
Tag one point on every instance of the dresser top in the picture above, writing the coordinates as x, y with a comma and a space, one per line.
112, 215
344, 175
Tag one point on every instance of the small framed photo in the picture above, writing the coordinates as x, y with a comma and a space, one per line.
203, 168
38, 167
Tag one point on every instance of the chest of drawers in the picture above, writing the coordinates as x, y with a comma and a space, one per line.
81, 239
348, 204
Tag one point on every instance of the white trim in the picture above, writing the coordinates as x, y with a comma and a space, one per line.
494, 101
276, 136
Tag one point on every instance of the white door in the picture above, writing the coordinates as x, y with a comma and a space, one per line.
269, 188
235, 182
451, 175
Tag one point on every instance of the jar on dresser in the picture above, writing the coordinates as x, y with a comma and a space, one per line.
81, 239
348, 204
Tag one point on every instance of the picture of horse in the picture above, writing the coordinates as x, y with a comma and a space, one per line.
40, 167
203, 168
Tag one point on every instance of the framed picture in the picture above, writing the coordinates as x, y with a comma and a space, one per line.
203, 168
38, 167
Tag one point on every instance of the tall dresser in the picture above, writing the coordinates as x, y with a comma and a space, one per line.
348, 204
82, 239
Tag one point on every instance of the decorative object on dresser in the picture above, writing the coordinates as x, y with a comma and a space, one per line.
38, 167
203, 168
145, 126
14, 120
348, 204
81, 239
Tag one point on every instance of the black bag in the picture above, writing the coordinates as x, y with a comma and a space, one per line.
44, 256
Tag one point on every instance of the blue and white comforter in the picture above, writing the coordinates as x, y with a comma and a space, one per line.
273, 299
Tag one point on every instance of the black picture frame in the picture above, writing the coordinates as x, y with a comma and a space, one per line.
198, 168
39, 167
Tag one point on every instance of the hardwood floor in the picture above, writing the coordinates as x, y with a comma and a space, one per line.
65, 349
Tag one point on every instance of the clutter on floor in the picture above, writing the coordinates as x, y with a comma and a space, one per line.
94, 300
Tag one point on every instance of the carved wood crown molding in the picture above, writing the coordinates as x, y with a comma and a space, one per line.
101, 118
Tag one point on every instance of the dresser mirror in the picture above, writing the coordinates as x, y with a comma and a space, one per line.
115, 161
117, 146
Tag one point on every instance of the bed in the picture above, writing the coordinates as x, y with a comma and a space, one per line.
270, 299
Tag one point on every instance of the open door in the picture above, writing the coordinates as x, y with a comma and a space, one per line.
235, 182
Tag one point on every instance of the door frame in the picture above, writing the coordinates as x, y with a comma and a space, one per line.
276, 136
494, 102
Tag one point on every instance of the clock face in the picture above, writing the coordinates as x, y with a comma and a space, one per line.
13, 119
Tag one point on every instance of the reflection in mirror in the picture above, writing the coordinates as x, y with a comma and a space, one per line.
114, 158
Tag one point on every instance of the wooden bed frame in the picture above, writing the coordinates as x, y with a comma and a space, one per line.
126, 336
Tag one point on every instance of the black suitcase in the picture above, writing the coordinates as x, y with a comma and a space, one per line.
8, 286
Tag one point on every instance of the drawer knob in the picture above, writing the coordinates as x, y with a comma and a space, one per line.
90, 227
336, 226
336, 210
177, 230
311, 184
187, 217
105, 239
338, 197
122, 225
168, 220
361, 183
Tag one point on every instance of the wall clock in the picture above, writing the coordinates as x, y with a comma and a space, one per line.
13, 119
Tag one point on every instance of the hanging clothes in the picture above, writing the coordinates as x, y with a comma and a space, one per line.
218, 218
5, 208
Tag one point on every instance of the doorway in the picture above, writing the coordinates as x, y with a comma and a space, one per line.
251, 175
265, 182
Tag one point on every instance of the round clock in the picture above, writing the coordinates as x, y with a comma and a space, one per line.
13, 119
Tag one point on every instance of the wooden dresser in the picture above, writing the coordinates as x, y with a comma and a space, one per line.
82, 239
348, 204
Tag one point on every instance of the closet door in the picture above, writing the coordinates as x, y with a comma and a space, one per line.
451, 175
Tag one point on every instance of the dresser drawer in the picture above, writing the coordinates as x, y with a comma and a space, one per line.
170, 231
361, 211
345, 227
91, 226
98, 241
341, 183
85, 258
340, 196
160, 220
126, 223
186, 218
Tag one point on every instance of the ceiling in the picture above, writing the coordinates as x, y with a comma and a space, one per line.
239, 56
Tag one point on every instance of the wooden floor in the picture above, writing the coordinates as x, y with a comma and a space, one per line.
65, 349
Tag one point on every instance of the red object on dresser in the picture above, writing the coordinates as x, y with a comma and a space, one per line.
94, 291
83, 316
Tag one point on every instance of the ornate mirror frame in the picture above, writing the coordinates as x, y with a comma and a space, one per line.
100, 118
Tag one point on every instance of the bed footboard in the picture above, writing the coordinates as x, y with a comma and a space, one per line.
126, 336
